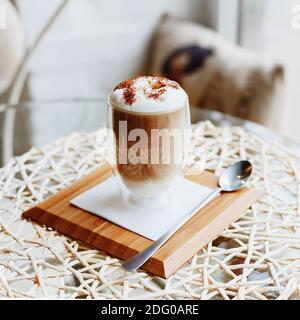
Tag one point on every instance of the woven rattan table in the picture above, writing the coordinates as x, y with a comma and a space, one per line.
257, 257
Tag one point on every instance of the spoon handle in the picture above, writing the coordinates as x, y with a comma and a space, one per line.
139, 259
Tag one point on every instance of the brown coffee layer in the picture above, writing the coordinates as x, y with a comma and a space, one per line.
154, 149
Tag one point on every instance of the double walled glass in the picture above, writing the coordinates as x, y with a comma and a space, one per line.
149, 152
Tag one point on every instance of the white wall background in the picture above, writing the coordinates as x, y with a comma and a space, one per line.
92, 46
96, 43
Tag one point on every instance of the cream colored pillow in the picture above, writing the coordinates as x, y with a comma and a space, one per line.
217, 74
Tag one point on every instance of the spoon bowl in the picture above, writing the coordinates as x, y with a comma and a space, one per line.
235, 176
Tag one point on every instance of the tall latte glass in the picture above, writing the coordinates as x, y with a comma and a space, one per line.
149, 122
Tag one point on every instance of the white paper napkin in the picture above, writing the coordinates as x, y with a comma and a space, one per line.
105, 201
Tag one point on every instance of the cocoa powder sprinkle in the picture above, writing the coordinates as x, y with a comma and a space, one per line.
129, 92
158, 88
129, 95
156, 95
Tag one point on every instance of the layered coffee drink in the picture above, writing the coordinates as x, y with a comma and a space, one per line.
149, 116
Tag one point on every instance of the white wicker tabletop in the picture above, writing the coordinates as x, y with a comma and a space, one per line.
257, 257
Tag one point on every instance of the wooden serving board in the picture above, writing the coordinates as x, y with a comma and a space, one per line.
58, 213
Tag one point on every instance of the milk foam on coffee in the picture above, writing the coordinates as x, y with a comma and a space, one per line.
147, 94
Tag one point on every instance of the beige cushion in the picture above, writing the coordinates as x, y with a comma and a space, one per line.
217, 74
